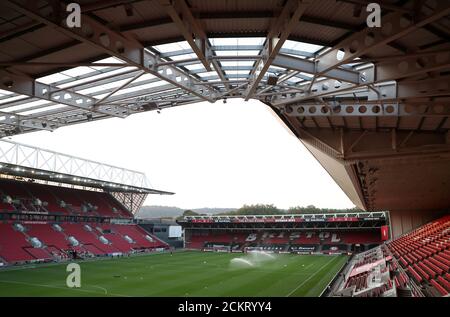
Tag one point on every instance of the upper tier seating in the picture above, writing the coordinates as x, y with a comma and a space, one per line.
76, 201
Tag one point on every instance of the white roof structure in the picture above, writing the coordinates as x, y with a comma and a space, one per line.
29, 161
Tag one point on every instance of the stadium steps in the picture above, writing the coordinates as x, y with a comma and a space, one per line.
84, 237
37, 253
33, 196
88, 199
54, 203
116, 239
402, 292
3, 205
108, 248
49, 236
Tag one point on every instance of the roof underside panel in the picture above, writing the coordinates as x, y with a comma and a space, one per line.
322, 70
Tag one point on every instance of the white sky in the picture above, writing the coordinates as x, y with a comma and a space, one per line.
210, 155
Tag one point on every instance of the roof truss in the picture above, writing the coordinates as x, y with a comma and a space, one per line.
304, 83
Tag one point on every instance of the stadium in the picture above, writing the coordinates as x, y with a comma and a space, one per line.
363, 86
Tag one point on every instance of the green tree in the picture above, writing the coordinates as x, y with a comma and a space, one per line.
258, 209
188, 213
312, 209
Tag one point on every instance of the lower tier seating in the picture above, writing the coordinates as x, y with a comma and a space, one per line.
328, 242
424, 254
28, 242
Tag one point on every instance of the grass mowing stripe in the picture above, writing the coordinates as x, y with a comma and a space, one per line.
311, 276
181, 274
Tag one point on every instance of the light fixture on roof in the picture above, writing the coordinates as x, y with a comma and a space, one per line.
149, 106
272, 80
8, 83
89, 116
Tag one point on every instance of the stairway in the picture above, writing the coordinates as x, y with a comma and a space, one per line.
404, 292
44, 247
2, 260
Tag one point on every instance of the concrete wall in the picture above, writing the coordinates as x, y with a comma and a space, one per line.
407, 220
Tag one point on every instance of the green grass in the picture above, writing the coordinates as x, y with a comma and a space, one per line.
182, 274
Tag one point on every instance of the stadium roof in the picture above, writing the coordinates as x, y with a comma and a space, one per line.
371, 104
24, 161
338, 216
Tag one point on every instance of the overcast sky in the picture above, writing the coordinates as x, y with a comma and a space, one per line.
210, 155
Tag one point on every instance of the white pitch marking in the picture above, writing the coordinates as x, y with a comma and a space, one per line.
102, 288
58, 287
300, 285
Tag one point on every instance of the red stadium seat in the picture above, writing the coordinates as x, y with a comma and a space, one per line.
444, 283
422, 272
415, 275
424, 253
441, 290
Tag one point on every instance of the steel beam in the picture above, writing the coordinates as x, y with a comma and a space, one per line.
434, 87
20, 122
393, 26
84, 86
24, 85
181, 15
68, 65
188, 26
382, 72
278, 34
115, 44
404, 98
307, 66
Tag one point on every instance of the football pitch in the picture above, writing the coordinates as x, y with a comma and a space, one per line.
187, 273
